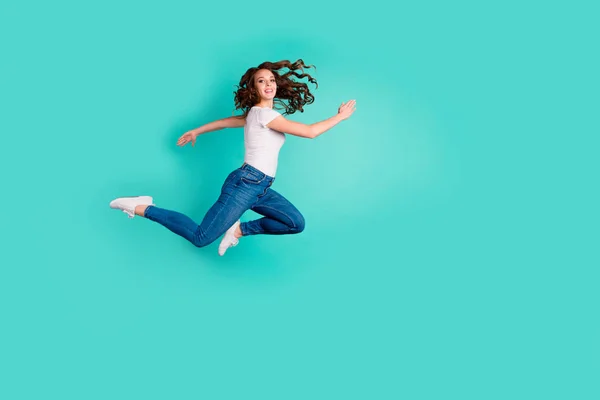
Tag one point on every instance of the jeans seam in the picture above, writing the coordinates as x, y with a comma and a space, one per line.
197, 233
288, 217
191, 233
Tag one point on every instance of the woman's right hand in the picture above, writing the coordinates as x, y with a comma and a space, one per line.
346, 109
189, 136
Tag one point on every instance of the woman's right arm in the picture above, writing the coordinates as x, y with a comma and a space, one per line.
311, 131
229, 122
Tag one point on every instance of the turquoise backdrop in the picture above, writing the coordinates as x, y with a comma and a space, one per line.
451, 245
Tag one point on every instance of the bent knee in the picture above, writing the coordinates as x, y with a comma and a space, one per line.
299, 224
199, 240
199, 244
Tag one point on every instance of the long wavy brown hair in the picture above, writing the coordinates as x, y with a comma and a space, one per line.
291, 95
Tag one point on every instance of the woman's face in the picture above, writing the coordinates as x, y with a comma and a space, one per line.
264, 82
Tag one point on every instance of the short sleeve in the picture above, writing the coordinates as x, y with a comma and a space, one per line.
267, 115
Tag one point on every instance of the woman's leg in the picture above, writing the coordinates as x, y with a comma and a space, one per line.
229, 207
217, 220
280, 217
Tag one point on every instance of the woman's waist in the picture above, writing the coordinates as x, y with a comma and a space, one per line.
259, 170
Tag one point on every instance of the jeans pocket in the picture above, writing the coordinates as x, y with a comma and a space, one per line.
253, 177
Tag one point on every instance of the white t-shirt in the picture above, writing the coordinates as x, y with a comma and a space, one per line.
262, 144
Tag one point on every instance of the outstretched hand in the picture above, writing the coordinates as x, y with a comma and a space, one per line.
346, 109
189, 136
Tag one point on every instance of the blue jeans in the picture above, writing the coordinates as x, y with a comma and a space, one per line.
246, 188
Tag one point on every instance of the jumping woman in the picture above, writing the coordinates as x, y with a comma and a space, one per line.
249, 187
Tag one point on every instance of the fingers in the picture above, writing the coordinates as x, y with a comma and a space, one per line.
349, 104
183, 140
348, 108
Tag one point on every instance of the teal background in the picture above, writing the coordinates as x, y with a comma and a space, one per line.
451, 247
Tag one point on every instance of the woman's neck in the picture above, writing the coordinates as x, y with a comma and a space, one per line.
265, 104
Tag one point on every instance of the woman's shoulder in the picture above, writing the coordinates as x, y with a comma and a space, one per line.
261, 116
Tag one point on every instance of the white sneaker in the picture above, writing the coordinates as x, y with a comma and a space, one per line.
229, 239
128, 204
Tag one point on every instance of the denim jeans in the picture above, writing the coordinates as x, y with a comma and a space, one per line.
246, 188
